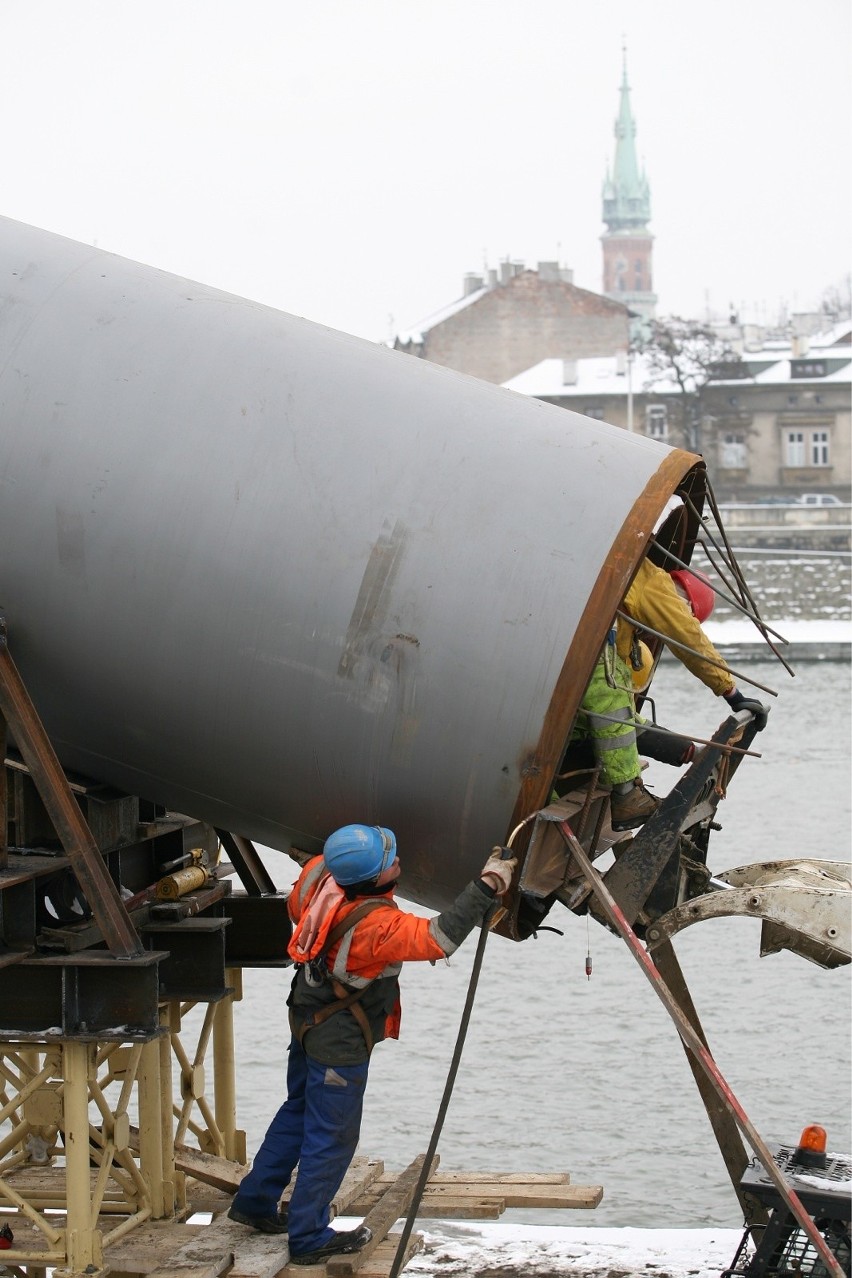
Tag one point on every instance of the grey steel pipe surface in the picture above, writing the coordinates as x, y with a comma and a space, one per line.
281, 579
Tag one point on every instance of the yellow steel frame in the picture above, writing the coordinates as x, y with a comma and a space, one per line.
69, 1106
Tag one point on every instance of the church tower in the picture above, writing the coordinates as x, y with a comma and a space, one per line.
627, 242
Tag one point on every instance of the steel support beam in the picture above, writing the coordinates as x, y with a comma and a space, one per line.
245, 859
31, 739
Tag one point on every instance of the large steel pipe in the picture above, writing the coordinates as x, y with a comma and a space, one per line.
280, 579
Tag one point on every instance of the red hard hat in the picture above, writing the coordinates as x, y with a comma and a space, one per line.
698, 591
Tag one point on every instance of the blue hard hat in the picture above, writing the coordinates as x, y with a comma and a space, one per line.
355, 853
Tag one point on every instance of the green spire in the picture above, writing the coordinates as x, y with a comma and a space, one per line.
626, 194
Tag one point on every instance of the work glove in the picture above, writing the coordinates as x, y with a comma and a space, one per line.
737, 701
497, 872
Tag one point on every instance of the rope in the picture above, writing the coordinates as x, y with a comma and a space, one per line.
445, 1101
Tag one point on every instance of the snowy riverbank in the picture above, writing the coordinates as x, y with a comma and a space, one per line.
819, 640
544, 1251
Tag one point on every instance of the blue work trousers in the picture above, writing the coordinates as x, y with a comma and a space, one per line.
317, 1127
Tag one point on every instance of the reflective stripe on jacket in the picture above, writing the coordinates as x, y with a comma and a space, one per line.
368, 958
376, 946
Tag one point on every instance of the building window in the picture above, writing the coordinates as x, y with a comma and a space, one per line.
594, 412
733, 452
808, 368
795, 448
656, 422
808, 448
819, 448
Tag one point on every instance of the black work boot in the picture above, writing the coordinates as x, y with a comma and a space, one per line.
633, 808
343, 1243
276, 1224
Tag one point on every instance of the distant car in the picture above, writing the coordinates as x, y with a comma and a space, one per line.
818, 499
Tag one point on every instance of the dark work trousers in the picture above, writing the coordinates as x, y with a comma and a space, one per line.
317, 1127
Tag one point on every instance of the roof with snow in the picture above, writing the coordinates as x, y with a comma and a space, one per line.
415, 334
615, 375
602, 375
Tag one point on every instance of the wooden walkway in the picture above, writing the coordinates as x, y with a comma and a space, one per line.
382, 1198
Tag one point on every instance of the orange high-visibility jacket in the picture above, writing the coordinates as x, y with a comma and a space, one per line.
369, 958
383, 940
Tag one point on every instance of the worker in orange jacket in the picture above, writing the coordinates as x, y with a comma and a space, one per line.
674, 604
349, 942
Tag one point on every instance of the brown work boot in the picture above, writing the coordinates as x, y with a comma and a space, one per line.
626, 811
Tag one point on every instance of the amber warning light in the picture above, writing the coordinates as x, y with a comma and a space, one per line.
811, 1150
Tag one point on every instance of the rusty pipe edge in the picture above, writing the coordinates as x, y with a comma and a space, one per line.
681, 474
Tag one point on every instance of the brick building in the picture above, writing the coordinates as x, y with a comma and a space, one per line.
508, 320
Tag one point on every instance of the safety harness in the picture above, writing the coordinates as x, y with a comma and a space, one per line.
346, 999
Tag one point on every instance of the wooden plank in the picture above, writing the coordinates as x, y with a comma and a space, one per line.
393, 1204
209, 1253
150, 1246
569, 1197
260, 1256
379, 1266
225, 1243
442, 1177
556, 1196
200, 1197
220, 1173
460, 1208
518, 1195
359, 1178
212, 1269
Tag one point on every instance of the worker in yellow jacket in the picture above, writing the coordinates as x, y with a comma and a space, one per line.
675, 604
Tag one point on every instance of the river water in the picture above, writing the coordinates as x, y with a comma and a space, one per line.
561, 1072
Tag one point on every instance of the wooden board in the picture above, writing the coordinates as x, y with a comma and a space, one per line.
225, 1244
200, 1197
172, 1249
377, 1265
393, 1204
150, 1246
220, 1173
441, 1177
442, 1198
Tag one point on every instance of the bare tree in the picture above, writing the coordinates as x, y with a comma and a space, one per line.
837, 299
688, 357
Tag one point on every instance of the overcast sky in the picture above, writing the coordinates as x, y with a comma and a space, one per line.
351, 160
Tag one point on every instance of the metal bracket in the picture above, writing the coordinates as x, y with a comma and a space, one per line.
804, 906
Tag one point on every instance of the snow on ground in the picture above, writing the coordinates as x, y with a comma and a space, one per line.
544, 1251
722, 633
470, 1249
